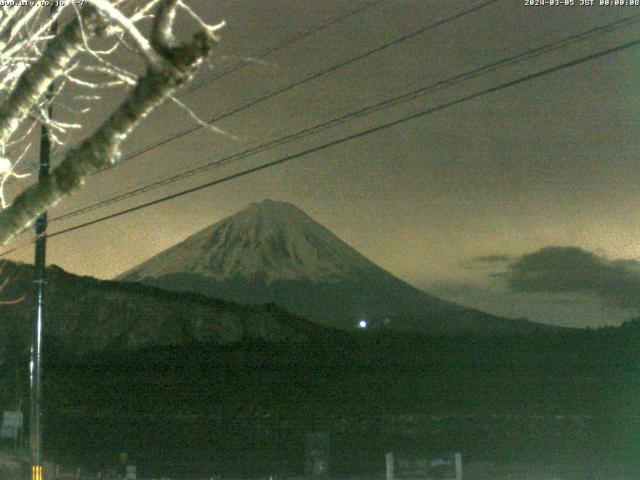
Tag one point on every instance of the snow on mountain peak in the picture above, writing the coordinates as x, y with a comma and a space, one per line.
268, 240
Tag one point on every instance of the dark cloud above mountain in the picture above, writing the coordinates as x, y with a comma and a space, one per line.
492, 259
487, 262
561, 270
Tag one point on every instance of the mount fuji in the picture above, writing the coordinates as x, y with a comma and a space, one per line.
273, 252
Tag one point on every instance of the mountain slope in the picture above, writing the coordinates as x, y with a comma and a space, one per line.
85, 314
273, 252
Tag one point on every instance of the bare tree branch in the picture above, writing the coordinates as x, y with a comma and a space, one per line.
162, 29
176, 66
53, 62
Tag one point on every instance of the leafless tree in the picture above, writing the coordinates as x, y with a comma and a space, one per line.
39, 66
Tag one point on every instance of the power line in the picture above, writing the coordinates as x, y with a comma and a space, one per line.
307, 79
291, 86
265, 53
358, 135
270, 50
312, 77
513, 60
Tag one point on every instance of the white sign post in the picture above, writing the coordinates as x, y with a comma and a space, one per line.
458, 460
131, 472
11, 424
389, 464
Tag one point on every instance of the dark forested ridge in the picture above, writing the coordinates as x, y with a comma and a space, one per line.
85, 314
573, 396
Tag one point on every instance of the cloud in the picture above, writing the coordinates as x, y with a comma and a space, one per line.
484, 262
561, 270
500, 258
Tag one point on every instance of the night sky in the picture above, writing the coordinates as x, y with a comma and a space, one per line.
522, 203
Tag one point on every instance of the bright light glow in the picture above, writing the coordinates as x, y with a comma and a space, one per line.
362, 324
5, 164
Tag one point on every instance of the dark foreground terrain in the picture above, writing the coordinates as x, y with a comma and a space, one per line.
567, 399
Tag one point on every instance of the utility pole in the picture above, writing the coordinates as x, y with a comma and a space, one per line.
35, 370
35, 378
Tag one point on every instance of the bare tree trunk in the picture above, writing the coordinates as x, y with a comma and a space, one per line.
57, 55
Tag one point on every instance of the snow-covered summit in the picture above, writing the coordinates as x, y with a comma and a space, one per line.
270, 241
